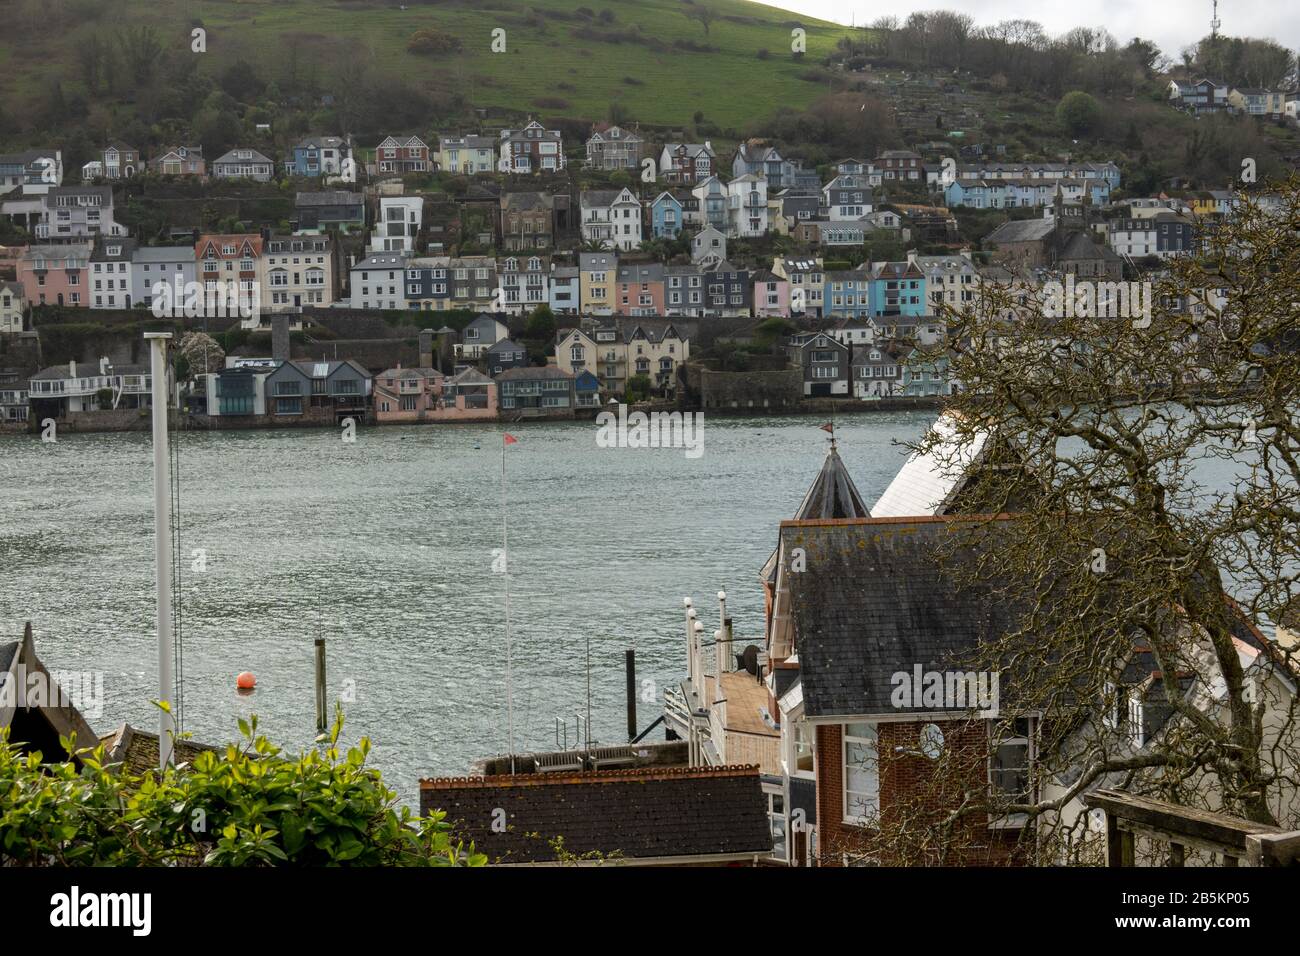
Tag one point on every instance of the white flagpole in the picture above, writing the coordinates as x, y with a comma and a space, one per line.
505, 554
162, 541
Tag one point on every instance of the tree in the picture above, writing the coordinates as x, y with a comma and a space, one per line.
1120, 553
637, 389
1079, 113
541, 324
141, 51
702, 12
202, 353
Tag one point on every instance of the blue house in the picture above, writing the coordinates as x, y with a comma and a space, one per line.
847, 294
666, 216
321, 156
926, 373
897, 288
586, 388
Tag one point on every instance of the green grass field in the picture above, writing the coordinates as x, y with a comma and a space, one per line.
543, 63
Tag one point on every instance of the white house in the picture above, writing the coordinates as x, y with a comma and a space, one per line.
377, 282
398, 224
611, 217
747, 206
173, 265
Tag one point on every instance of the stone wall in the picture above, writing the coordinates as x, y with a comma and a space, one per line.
747, 390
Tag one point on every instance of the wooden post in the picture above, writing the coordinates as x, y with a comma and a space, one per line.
322, 717
1119, 843
631, 694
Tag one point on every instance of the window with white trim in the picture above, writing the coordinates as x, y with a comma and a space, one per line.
861, 773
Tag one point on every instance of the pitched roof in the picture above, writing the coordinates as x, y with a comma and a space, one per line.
1023, 230
329, 197
874, 601
137, 750
643, 815
930, 480
532, 372
831, 495
234, 157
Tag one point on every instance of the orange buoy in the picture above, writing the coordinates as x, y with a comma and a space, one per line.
246, 681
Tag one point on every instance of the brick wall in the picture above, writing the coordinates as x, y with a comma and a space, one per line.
911, 794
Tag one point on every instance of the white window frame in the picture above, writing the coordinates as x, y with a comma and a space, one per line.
848, 816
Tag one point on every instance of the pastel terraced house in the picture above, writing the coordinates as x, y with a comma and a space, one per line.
468, 155
771, 295
406, 394
56, 275
12, 305
467, 396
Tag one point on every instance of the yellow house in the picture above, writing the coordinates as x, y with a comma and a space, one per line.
624, 348
597, 272
468, 155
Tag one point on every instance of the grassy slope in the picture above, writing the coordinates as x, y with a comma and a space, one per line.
731, 86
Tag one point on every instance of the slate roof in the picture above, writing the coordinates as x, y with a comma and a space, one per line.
636, 815
874, 601
329, 197
831, 495
233, 157
163, 254
1079, 246
533, 372
137, 750
527, 200
1023, 230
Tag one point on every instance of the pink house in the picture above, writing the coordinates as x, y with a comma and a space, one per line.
639, 289
406, 394
467, 396
771, 295
55, 275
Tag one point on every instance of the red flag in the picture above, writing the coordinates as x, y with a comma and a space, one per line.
828, 427
510, 439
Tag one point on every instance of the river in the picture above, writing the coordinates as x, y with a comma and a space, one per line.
384, 547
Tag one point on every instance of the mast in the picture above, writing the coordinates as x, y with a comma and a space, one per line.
505, 554
162, 541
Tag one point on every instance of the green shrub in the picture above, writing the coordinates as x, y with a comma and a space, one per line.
250, 805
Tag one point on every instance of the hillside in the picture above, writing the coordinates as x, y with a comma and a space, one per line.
562, 57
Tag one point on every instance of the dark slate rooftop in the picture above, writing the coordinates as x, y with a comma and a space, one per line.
831, 495
642, 814
875, 600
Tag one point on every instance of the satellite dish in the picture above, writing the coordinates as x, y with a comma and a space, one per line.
931, 741
749, 659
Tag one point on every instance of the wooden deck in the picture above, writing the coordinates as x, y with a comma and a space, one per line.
749, 739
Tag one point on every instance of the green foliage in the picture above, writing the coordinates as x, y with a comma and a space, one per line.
433, 42
638, 388
541, 324
1078, 113
250, 805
